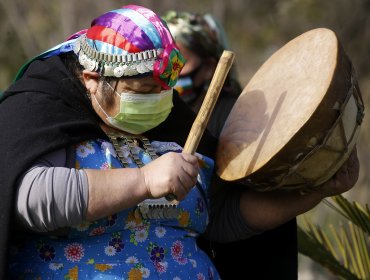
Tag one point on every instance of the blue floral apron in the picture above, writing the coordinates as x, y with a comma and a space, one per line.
124, 245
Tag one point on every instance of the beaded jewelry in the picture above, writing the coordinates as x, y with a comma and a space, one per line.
159, 208
114, 65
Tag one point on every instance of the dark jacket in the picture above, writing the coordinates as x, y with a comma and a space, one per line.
270, 255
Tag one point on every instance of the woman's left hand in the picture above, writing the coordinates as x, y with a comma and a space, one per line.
345, 178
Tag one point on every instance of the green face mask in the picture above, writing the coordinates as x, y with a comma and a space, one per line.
140, 112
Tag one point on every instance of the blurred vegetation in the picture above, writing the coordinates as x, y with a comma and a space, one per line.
343, 248
255, 29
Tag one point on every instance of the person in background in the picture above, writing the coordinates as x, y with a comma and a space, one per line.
91, 147
202, 40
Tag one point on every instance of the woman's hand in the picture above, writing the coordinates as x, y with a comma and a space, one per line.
264, 211
345, 178
172, 173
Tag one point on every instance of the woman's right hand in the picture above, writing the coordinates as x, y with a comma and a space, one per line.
171, 173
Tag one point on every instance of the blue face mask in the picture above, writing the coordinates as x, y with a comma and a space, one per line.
140, 112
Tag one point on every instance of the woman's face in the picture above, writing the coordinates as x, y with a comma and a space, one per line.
132, 85
102, 92
206, 66
193, 61
139, 85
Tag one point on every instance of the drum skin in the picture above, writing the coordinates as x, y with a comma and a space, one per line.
296, 121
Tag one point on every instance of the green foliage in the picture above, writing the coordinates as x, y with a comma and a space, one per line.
345, 251
352, 211
310, 246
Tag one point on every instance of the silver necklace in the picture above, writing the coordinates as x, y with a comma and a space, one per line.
159, 208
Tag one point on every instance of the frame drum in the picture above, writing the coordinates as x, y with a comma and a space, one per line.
296, 121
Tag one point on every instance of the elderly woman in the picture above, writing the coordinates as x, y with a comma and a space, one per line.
91, 145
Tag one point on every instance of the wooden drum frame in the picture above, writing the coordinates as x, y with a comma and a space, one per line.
297, 120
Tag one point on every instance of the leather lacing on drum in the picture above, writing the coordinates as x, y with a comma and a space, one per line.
308, 185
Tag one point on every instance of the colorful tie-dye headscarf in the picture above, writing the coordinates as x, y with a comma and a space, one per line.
129, 41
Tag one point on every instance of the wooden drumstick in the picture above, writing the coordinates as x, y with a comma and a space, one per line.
205, 111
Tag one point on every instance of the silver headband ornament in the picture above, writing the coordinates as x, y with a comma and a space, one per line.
114, 65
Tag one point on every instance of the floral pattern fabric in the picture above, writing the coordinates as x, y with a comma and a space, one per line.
123, 245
